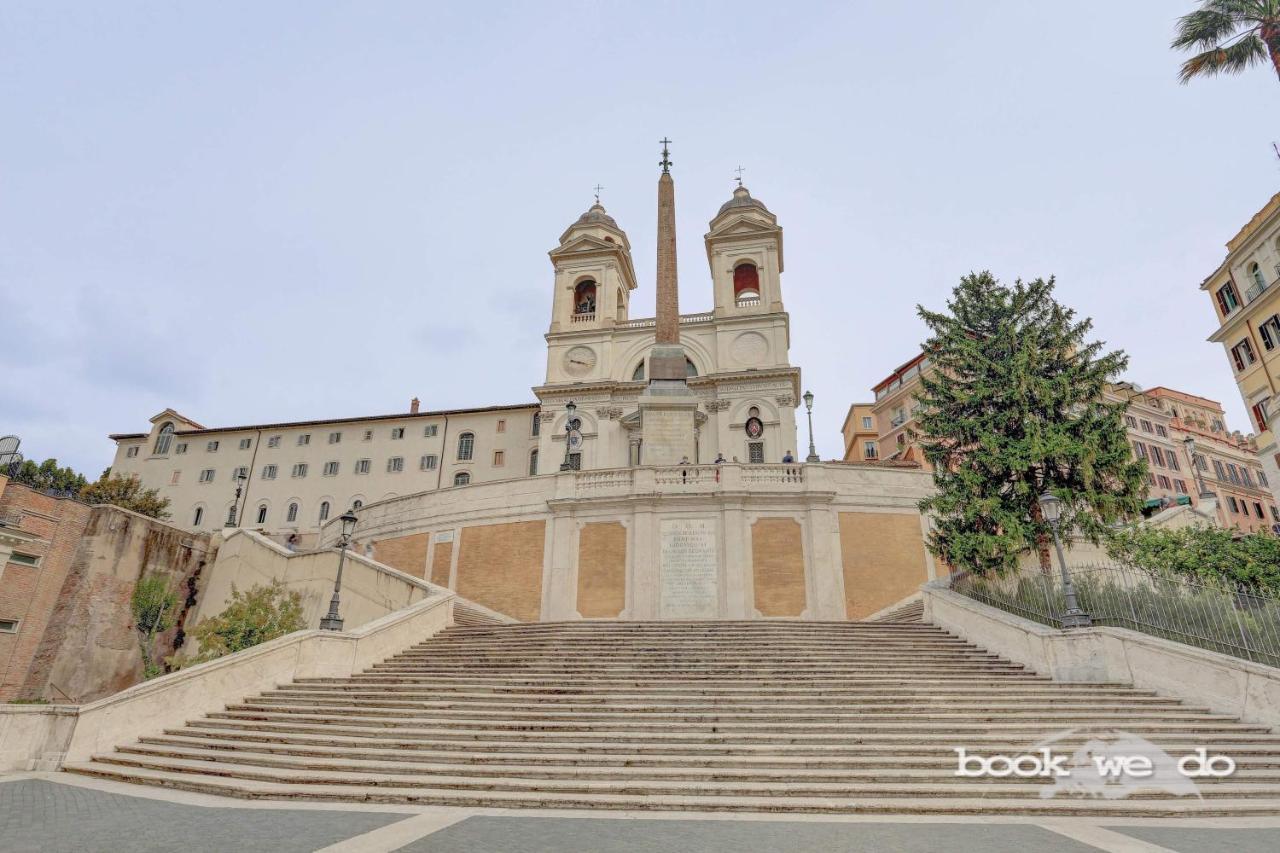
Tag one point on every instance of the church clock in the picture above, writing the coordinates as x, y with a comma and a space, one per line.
579, 361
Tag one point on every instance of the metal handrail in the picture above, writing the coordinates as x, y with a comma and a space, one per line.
1215, 614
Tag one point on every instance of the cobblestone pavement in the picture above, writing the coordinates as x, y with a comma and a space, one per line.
45, 817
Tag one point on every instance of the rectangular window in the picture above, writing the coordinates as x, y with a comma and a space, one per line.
368, 435
8, 626
174, 478
397, 433
304, 439
269, 472
1201, 463
131, 452
1247, 476
395, 464
575, 461
1257, 510
1171, 457
1275, 514
238, 473
246, 443
24, 559
1157, 455
868, 450
1151, 478
335, 437
499, 457
1140, 449
866, 423
362, 466
1219, 470
300, 470
533, 463
430, 430
1131, 422
1233, 473
1259, 410
502, 425
428, 462
755, 452
1161, 431
180, 448
206, 476
1234, 506
1242, 354
1164, 482
1180, 486
330, 469
274, 441
1146, 425
211, 447
1262, 479
1227, 299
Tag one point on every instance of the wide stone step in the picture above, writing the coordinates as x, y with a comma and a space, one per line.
1253, 762
495, 799
762, 715
584, 691
706, 680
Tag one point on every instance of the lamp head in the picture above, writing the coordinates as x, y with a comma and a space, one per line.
348, 520
570, 408
808, 400
1051, 507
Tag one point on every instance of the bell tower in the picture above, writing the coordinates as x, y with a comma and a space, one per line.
594, 275
744, 250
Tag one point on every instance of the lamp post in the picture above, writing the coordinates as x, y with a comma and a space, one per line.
331, 621
241, 477
1190, 444
1073, 616
569, 409
808, 405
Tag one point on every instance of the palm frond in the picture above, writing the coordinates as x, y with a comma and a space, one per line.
1227, 60
1204, 29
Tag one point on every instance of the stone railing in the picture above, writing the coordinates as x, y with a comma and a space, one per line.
650, 322
785, 474
584, 317
748, 301
687, 475
609, 478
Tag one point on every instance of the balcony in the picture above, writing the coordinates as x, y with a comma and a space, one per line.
584, 317
1254, 292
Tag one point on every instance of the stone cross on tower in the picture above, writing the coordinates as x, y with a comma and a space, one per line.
668, 411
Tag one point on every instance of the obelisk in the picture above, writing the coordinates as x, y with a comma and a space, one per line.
668, 410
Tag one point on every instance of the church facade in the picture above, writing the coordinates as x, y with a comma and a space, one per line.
294, 477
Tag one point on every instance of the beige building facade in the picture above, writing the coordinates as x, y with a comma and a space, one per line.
1247, 306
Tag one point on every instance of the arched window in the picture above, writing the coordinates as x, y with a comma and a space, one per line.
466, 444
584, 297
753, 412
536, 426
637, 375
357, 503
533, 463
199, 517
262, 514
622, 306
746, 282
461, 478
1258, 278
292, 515
689, 369
324, 511
163, 439
231, 514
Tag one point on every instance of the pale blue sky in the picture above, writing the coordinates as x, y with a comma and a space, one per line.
267, 211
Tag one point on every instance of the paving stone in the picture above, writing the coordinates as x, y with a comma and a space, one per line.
1205, 840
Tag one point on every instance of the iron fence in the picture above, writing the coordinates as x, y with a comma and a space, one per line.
1217, 615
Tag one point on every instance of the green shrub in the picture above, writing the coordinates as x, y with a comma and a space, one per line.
256, 616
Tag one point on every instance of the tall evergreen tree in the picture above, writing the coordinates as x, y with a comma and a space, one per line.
1013, 407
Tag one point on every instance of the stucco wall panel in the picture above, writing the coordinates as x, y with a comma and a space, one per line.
500, 566
882, 555
602, 570
777, 555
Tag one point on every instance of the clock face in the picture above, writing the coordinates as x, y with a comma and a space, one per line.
579, 361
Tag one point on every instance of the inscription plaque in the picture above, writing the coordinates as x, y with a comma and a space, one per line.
689, 569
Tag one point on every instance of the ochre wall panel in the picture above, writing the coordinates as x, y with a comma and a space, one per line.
883, 559
777, 557
602, 570
441, 557
406, 553
500, 566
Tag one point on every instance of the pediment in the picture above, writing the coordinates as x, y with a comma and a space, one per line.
742, 225
172, 415
584, 244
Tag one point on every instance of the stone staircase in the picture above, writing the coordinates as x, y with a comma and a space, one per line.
761, 716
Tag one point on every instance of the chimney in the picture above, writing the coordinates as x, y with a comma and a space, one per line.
413, 406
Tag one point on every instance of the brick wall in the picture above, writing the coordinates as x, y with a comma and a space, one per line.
882, 555
602, 570
500, 566
777, 556
406, 553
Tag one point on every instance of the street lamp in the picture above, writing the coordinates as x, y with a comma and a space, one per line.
241, 477
569, 409
1073, 616
813, 451
331, 621
1190, 444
